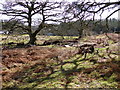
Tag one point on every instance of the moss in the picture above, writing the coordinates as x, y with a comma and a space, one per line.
101, 49
97, 37
68, 66
11, 84
54, 84
94, 74
106, 84
111, 42
112, 78
84, 64
55, 74
27, 85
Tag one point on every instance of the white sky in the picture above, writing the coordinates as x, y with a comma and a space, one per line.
105, 14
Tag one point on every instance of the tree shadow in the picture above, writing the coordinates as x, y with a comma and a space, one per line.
66, 73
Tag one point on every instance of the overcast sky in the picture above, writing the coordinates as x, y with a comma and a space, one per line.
105, 14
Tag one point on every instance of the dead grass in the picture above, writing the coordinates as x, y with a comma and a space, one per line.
17, 58
60, 67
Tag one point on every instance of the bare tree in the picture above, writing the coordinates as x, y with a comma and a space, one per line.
78, 16
50, 11
27, 10
82, 11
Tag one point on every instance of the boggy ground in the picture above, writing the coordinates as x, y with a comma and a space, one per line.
62, 67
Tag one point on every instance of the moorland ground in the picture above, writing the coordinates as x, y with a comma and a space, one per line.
57, 66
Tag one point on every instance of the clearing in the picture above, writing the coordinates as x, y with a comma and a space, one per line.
55, 66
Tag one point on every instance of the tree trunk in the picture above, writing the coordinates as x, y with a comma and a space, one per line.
32, 39
80, 34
